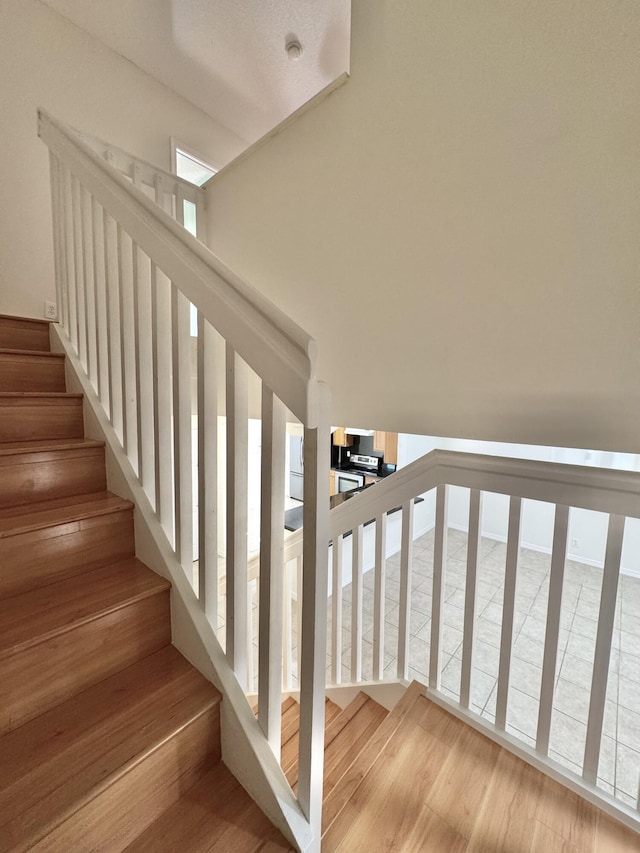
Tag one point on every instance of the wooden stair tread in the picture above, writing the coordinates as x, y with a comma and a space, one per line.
290, 745
16, 318
290, 720
8, 396
54, 763
340, 794
346, 734
215, 814
15, 520
341, 751
32, 617
19, 448
344, 717
36, 353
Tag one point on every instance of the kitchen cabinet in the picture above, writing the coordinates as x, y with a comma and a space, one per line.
341, 438
387, 444
332, 483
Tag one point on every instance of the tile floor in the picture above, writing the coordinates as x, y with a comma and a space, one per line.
619, 768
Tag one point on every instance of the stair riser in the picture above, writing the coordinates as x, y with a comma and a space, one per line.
34, 679
40, 557
114, 818
40, 420
44, 476
31, 373
24, 334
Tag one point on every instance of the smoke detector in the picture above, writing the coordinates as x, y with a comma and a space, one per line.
294, 49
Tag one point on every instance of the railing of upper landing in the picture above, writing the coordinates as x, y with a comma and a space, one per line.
435, 577
178, 394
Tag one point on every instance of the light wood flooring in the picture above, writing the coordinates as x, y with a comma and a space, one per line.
428, 782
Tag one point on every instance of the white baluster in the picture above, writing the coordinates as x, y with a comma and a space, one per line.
70, 263
113, 325
317, 461
604, 639
182, 461
162, 357
88, 254
473, 558
250, 636
299, 616
271, 566
208, 580
81, 317
157, 458
125, 276
201, 223
144, 369
379, 595
179, 203
357, 541
508, 610
406, 565
437, 605
237, 516
550, 661
54, 172
136, 359
64, 250
336, 611
161, 195
287, 631
102, 370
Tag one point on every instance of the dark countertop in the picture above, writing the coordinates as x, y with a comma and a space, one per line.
380, 476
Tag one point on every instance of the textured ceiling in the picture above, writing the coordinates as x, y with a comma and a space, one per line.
226, 56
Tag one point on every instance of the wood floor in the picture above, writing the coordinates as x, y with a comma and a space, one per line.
428, 782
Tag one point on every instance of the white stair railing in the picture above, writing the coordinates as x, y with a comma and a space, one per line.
127, 279
364, 524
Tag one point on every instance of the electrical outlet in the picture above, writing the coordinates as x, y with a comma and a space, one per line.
574, 543
50, 310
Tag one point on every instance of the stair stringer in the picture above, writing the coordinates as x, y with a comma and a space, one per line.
245, 750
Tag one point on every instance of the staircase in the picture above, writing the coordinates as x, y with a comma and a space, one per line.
109, 738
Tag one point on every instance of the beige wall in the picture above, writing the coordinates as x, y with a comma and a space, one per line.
46, 61
458, 225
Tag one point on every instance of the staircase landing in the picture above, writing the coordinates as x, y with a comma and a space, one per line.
428, 782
